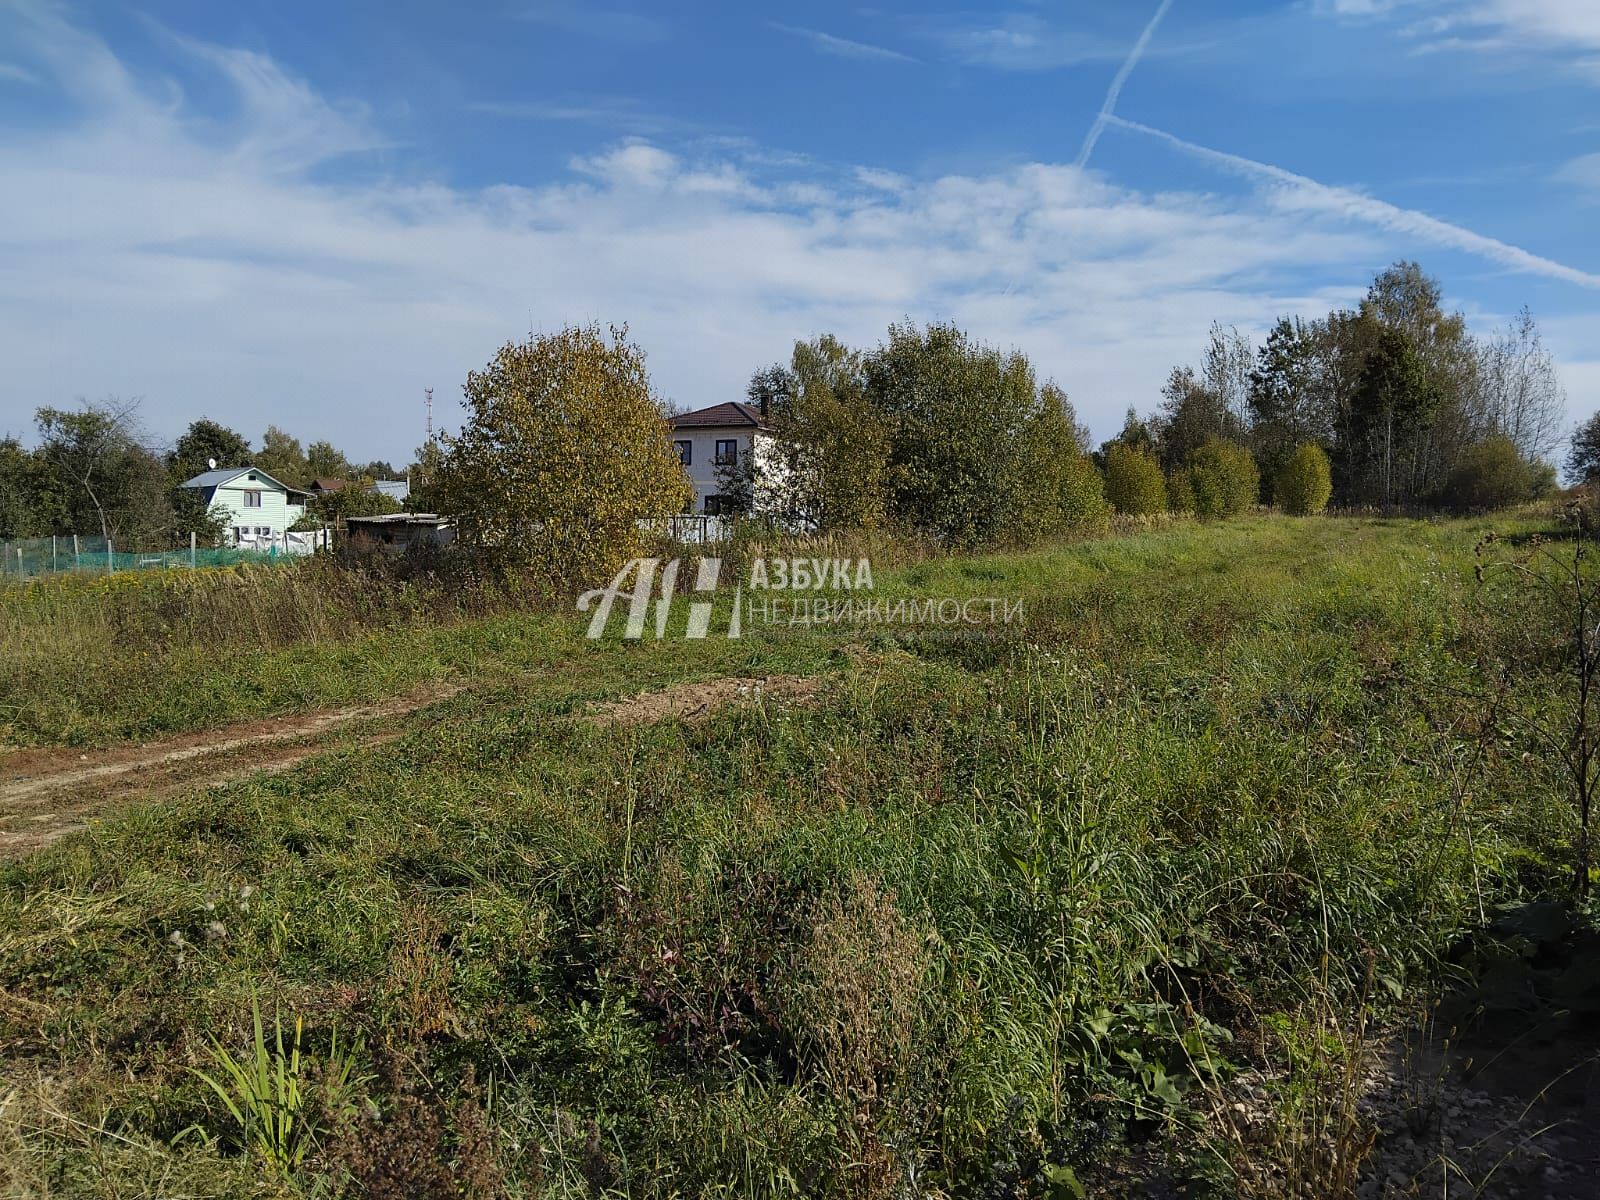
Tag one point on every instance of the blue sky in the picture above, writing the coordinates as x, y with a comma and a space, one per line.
308, 213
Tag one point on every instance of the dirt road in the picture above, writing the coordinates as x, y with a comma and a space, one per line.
46, 794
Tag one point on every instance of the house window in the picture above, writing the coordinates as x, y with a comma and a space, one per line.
727, 452
685, 453
252, 499
263, 531
713, 506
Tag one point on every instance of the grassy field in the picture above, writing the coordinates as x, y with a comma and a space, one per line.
997, 916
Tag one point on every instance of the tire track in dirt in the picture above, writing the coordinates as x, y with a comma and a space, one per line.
46, 794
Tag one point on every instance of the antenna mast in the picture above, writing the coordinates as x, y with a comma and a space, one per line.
429, 392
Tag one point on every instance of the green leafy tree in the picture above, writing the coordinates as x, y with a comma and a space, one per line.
1583, 454
1214, 403
1063, 490
424, 475
193, 514
104, 478
1224, 479
1134, 483
1180, 491
26, 502
1403, 300
949, 408
1391, 410
1290, 394
826, 464
203, 443
564, 450
1304, 482
358, 498
281, 457
324, 461
1135, 433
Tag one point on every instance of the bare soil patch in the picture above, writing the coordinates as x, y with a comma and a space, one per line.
48, 793
695, 701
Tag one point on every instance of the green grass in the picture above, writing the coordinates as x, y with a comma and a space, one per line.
979, 918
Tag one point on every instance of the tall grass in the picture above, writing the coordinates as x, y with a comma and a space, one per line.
991, 918
82, 654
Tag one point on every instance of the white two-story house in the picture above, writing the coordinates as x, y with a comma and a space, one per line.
714, 441
255, 506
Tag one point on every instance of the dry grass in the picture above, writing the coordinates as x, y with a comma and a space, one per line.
852, 1005
48, 1151
696, 701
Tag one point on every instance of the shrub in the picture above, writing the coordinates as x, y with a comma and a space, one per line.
1180, 491
564, 451
1058, 489
1134, 485
1305, 482
1224, 478
1079, 492
1491, 474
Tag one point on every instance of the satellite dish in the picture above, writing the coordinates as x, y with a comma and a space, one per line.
212, 463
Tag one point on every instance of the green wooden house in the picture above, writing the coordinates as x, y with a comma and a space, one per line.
255, 506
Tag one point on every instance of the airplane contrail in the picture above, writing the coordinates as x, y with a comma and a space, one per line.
1298, 191
1114, 93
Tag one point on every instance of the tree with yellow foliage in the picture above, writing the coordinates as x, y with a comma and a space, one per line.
564, 451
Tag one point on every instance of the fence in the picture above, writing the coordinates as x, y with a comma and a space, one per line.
30, 558
691, 529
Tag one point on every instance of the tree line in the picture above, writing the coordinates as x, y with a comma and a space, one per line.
1391, 404
94, 472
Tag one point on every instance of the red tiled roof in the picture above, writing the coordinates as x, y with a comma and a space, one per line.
733, 414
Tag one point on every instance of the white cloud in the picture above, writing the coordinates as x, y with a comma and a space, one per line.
1024, 41
1582, 172
12, 73
885, 181
841, 47
611, 112
211, 268
1567, 30
1560, 23
1360, 8
288, 126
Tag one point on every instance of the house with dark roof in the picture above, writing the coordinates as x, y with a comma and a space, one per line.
396, 489
714, 442
254, 506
